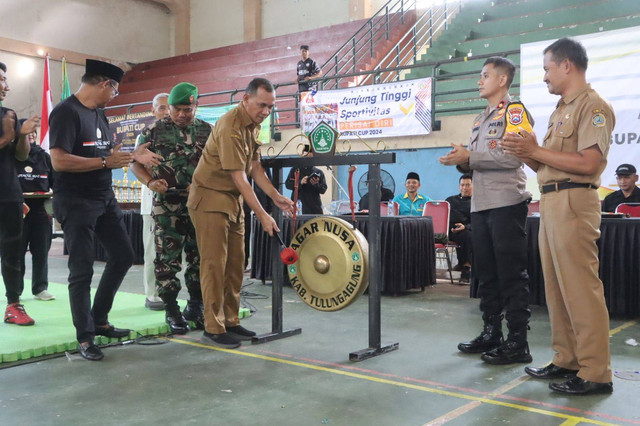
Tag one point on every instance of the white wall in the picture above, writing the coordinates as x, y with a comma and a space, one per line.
25, 89
124, 30
281, 17
216, 23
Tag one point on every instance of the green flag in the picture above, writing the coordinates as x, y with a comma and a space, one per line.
66, 92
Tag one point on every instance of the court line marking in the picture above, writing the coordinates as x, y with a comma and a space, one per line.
393, 382
498, 392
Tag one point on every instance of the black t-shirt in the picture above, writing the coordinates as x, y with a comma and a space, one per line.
9, 186
308, 194
35, 173
385, 196
616, 198
84, 132
306, 69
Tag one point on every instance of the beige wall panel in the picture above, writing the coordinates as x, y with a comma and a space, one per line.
216, 23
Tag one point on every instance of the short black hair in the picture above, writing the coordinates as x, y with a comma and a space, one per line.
568, 48
94, 79
465, 176
304, 47
3, 67
504, 65
257, 83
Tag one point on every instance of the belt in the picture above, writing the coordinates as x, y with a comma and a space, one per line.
559, 186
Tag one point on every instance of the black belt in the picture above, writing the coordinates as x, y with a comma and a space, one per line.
559, 186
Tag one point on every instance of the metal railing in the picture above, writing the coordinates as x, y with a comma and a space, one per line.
289, 101
420, 36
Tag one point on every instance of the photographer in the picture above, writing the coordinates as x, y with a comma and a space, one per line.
312, 183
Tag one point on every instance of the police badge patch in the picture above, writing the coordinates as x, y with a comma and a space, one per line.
493, 144
598, 120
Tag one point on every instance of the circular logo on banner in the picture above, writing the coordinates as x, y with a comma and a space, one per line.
332, 270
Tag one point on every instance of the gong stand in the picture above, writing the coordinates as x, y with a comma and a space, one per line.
373, 160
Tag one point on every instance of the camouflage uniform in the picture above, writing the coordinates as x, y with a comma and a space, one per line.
174, 232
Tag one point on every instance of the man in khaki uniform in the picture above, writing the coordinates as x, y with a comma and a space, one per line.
569, 164
215, 205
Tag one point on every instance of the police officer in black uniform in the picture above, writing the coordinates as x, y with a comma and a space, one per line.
36, 179
83, 154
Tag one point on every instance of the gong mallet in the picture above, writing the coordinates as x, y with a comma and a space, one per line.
288, 256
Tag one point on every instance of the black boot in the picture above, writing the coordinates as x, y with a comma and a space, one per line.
514, 350
490, 338
174, 318
195, 312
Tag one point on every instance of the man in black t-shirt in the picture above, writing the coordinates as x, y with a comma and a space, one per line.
36, 180
83, 154
460, 226
311, 185
13, 146
628, 193
307, 69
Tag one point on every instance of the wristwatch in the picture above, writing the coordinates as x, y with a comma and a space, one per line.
104, 162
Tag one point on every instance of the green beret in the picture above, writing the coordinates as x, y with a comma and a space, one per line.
183, 94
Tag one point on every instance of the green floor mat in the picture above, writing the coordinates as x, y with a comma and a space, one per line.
54, 333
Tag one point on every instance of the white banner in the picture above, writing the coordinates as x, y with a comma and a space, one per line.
613, 71
385, 110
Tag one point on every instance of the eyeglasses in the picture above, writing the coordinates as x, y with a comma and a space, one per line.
116, 93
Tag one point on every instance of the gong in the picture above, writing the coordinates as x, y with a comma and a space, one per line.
332, 269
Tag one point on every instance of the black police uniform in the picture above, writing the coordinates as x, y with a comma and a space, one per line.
308, 193
36, 175
10, 216
87, 208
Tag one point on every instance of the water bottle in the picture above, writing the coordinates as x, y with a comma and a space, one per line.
299, 207
390, 211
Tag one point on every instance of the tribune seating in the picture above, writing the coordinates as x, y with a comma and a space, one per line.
493, 26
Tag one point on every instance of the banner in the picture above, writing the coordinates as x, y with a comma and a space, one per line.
66, 90
613, 63
385, 110
47, 107
127, 127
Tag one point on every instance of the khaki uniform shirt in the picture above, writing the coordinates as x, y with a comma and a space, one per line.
231, 146
580, 121
498, 178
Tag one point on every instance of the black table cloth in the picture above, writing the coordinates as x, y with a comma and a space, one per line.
133, 224
406, 245
619, 253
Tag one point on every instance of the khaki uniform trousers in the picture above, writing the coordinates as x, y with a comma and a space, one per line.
221, 245
569, 228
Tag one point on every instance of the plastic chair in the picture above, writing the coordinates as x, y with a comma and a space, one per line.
631, 209
439, 213
534, 207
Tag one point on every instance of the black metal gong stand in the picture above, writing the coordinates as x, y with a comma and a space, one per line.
373, 160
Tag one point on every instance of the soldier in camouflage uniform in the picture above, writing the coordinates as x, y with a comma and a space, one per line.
180, 139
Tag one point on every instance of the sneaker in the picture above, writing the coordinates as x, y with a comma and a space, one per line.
15, 314
44, 295
240, 333
224, 340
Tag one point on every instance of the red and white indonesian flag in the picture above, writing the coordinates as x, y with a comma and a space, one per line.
47, 106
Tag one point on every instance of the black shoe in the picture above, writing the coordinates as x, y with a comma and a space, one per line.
510, 352
91, 352
154, 306
224, 340
240, 333
457, 268
465, 275
111, 331
550, 371
578, 386
490, 338
195, 312
176, 321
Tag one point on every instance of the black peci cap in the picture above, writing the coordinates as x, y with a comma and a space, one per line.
104, 69
413, 175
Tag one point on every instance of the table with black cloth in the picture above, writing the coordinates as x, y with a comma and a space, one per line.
133, 224
619, 254
406, 245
